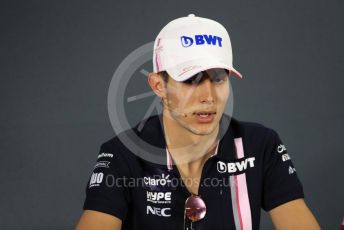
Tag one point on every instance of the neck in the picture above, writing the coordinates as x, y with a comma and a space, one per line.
185, 146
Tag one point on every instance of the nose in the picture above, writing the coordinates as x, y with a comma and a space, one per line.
206, 91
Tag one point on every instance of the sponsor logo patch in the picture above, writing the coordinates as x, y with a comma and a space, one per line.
234, 167
291, 170
159, 197
164, 212
281, 148
285, 157
96, 179
110, 155
161, 181
102, 164
201, 39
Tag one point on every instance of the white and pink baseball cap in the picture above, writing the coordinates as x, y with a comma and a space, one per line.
188, 45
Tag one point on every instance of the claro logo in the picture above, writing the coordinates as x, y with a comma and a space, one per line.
157, 181
233, 167
281, 148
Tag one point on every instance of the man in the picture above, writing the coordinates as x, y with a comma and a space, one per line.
227, 170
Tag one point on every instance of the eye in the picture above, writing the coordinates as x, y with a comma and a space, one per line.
219, 80
218, 76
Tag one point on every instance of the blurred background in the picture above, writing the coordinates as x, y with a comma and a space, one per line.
57, 60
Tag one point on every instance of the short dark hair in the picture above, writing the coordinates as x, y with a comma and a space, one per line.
164, 76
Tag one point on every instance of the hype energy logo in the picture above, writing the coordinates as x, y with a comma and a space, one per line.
201, 39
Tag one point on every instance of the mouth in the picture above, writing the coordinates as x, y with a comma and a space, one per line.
205, 116
204, 113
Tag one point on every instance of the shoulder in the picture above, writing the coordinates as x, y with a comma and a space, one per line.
256, 137
250, 129
118, 146
129, 144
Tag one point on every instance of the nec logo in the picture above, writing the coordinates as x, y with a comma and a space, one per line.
164, 212
201, 39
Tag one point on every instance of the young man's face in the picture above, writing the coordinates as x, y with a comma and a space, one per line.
198, 103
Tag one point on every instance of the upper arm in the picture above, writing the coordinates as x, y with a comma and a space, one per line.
93, 220
280, 180
293, 215
107, 194
282, 190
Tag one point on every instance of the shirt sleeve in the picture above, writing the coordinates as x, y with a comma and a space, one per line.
106, 191
281, 183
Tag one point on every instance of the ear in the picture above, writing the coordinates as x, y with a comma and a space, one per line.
157, 84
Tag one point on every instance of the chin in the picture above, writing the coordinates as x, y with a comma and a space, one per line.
202, 129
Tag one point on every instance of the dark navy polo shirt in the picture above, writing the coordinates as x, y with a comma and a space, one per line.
251, 170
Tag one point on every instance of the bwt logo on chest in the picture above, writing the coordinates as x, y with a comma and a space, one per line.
201, 39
